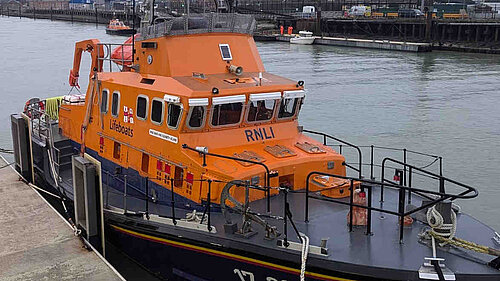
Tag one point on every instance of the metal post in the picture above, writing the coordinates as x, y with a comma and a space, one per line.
133, 36
351, 199
307, 201
382, 179
404, 166
401, 207
147, 198
285, 222
440, 166
369, 215
324, 139
125, 194
371, 162
410, 172
340, 149
172, 201
208, 202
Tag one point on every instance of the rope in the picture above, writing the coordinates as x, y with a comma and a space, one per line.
446, 233
193, 217
436, 222
5, 166
305, 251
7, 151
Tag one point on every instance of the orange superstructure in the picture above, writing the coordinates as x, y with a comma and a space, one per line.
207, 91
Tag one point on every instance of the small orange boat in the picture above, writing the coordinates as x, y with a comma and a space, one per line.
187, 155
117, 27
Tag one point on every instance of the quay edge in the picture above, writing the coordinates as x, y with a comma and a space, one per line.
37, 244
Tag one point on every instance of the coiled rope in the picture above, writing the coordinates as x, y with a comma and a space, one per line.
445, 233
444, 230
305, 251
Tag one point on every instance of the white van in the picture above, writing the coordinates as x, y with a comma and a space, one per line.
358, 11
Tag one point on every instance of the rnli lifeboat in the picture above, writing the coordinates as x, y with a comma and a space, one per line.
188, 156
117, 27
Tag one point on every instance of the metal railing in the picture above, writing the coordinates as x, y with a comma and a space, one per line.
203, 23
41, 127
108, 52
401, 213
204, 154
326, 137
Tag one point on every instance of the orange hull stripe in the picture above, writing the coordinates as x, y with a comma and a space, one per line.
226, 255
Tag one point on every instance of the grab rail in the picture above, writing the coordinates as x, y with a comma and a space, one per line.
370, 184
326, 137
268, 172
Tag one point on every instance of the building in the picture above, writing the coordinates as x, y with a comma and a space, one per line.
49, 4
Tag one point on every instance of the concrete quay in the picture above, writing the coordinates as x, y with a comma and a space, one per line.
367, 43
35, 241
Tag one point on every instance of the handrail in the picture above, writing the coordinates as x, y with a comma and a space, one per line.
268, 172
441, 179
370, 183
325, 136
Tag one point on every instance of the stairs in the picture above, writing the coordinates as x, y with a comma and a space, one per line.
64, 152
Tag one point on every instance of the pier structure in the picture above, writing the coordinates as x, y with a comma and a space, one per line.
37, 243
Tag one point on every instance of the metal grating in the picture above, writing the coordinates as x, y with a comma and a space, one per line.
207, 23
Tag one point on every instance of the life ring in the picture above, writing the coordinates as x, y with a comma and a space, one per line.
33, 104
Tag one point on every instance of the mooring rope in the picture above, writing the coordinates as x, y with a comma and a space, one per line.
445, 233
305, 251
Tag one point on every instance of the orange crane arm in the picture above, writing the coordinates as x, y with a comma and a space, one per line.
96, 51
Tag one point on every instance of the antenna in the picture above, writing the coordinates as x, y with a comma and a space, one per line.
133, 32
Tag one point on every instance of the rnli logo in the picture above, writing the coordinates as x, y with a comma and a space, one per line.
259, 134
125, 130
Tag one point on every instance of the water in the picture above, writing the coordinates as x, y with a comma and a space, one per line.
442, 103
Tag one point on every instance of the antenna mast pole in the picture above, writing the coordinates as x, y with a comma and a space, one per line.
133, 33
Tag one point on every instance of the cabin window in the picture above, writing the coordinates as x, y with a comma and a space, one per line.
226, 114
157, 111
196, 118
142, 107
145, 163
178, 176
174, 114
116, 150
288, 107
104, 101
261, 110
115, 104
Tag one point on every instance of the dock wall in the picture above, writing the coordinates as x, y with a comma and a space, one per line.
73, 15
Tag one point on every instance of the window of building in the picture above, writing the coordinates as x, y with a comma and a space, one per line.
157, 111
115, 104
142, 107
174, 115
104, 101
196, 117
261, 110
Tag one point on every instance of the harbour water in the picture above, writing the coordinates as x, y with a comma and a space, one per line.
441, 102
